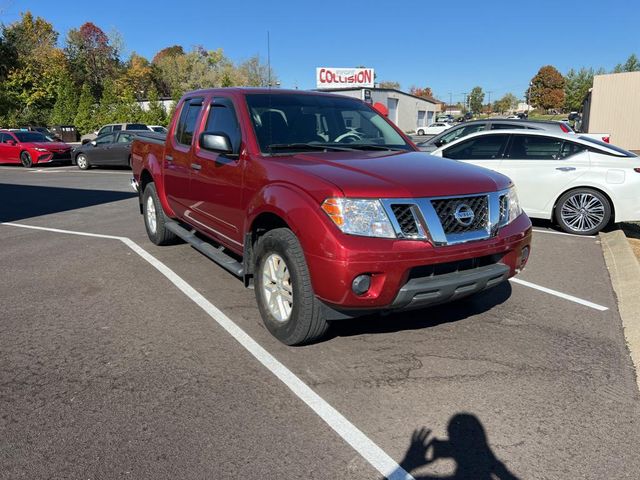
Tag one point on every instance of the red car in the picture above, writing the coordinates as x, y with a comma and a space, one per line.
31, 148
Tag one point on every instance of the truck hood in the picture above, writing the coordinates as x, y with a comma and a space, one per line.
397, 174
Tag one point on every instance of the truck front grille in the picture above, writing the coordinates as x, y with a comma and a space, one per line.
406, 220
461, 215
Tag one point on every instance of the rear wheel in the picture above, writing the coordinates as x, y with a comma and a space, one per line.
25, 159
583, 211
420, 132
155, 219
82, 162
287, 304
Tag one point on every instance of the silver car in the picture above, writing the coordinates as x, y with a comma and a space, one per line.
474, 126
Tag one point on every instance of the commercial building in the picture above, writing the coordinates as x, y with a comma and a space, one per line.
613, 107
405, 110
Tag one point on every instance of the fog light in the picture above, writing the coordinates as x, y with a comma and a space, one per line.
524, 256
361, 284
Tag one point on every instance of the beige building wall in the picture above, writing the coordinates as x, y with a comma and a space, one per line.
615, 108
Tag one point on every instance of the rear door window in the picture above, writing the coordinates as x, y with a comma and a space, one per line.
462, 131
117, 128
187, 122
486, 147
530, 147
107, 129
104, 139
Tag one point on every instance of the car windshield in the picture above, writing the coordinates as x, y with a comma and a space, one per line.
31, 137
621, 151
298, 122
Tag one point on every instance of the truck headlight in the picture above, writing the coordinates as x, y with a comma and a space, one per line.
513, 205
359, 217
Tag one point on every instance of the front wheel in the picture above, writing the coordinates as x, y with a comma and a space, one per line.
287, 304
583, 211
25, 159
420, 132
82, 162
155, 219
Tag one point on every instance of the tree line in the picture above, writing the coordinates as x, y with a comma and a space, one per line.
87, 83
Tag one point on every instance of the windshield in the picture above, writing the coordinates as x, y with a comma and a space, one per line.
296, 122
621, 151
31, 137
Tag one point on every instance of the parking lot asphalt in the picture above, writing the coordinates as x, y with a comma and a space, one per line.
108, 370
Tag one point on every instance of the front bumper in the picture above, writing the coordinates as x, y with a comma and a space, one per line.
411, 274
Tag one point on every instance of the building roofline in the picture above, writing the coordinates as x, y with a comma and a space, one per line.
430, 99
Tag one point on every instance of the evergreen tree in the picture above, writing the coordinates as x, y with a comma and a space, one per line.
85, 120
108, 104
155, 114
127, 109
66, 105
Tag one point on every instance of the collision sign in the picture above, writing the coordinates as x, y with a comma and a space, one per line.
328, 77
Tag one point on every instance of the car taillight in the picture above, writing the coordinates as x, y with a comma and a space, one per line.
637, 170
564, 128
605, 139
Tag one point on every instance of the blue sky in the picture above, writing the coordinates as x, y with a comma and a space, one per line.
450, 46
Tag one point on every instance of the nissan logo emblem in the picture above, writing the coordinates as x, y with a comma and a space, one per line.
464, 215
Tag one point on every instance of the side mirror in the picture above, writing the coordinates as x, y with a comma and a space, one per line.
94, 143
216, 142
439, 143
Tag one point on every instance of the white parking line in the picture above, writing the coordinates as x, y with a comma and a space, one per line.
370, 451
566, 296
537, 230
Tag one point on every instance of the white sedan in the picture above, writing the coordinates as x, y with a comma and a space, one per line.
433, 129
581, 183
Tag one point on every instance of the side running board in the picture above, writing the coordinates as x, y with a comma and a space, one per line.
215, 254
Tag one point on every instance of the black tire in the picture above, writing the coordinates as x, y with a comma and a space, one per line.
420, 132
306, 321
159, 235
26, 160
600, 211
82, 162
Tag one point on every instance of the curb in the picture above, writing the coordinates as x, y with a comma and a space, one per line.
624, 271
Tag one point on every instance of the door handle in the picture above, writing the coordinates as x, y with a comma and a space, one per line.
566, 169
196, 166
168, 158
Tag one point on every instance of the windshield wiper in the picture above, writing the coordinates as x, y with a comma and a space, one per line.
369, 146
306, 146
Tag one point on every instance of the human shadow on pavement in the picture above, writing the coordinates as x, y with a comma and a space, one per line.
467, 446
26, 201
424, 318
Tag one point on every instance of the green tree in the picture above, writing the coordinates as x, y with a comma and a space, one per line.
547, 89
425, 92
85, 120
577, 85
476, 99
631, 65
108, 104
389, 84
255, 73
66, 106
155, 113
127, 108
508, 102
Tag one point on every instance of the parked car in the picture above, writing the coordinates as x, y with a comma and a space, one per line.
112, 127
158, 128
31, 148
433, 129
112, 149
324, 206
489, 124
43, 130
581, 183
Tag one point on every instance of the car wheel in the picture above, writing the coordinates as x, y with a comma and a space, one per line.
25, 159
420, 132
583, 211
287, 304
82, 162
154, 218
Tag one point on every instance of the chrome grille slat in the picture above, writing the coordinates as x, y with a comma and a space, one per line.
406, 220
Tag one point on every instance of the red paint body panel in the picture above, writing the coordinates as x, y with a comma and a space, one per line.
223, 198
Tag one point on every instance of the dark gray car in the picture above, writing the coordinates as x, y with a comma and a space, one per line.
474, 126
111, 149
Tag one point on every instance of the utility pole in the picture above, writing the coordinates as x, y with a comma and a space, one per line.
465, 101
489, 93
450, 100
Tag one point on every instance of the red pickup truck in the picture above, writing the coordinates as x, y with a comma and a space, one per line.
325, 207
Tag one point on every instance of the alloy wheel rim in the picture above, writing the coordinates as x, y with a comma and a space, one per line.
276, 287
583, 212
151, 215
82, 161
26, 160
